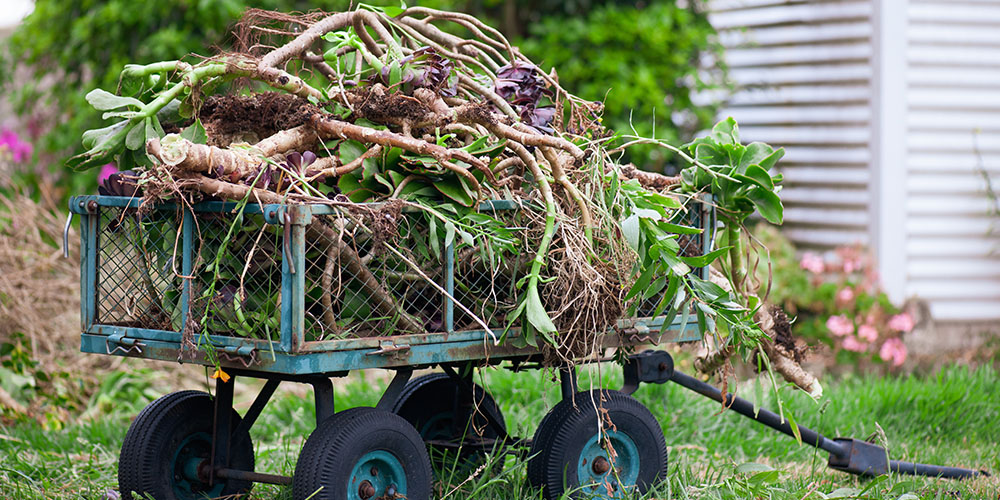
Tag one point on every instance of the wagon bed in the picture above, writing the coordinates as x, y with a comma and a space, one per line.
128, 261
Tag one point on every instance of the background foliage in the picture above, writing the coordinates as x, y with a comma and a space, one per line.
646, 53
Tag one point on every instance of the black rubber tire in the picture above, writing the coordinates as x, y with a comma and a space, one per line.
430, 399
146, 463
561, 435
324, 466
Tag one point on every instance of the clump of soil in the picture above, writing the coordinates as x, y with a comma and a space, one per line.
375, 104
783, 334
229, 118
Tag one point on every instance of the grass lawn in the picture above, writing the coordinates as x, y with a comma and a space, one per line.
950, 418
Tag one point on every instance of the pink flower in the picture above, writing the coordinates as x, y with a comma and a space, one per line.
868, 332
840, 325
851, 343
812, 263
106, 172
893, 350
851, 265
21, 151
845, 295
901, 322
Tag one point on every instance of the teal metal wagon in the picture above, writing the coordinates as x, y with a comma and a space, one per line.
152, 288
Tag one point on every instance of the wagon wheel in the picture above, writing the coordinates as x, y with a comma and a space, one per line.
569, 453
360, 454
431, 404
169, 441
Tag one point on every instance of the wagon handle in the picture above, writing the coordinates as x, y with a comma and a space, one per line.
69, 222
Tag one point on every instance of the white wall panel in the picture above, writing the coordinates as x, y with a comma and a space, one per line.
804, 75
890, 113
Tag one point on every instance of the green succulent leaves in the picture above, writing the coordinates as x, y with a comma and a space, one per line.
736, 175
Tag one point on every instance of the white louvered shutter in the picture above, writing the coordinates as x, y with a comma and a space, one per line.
953, 106
804, 76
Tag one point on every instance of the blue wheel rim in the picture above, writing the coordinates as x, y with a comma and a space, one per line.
186, 485
382, 471
615, 474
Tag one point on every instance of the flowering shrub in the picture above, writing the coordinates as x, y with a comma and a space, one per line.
13, 152
836, 300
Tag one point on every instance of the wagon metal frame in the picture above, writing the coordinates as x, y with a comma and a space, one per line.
213, 458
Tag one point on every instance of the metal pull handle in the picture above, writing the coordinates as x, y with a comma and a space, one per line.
69, 222
387, 348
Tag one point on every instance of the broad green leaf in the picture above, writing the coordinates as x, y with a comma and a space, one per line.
195, 132
103, 100
757, 172
455, 189
771, 159
630, 229
726, 131
767, 203
753, 154
537, 316
136, 136
92, 138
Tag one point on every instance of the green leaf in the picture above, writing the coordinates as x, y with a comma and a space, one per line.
768, 163
195, 132
794, 426
630, 229
641, 283
432, 235
449, 234
767, 203
678, 228
103, 100
537, 315
726, 132
454, 188
753, 154
704, 260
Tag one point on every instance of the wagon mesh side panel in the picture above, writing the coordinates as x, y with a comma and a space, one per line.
485, 283
236, 285
691, 245
136, 284
371, 291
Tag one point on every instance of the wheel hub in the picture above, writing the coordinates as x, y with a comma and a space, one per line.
609, 464
378, 474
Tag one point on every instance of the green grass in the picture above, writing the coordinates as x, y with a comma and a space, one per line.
950, 418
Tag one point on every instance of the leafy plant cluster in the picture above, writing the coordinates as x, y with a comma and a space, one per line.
648, 55
402, 114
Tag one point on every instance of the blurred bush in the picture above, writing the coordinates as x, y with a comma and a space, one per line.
649, 55
645, 63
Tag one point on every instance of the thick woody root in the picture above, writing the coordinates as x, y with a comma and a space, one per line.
381, 299
650, 179
774, 323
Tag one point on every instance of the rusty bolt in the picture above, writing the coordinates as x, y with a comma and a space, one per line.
662, 367
366, 490
601, 465
374, 471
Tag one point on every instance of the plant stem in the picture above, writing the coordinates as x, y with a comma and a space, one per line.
737, 271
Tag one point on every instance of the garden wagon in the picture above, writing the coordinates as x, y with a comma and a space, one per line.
141, 290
